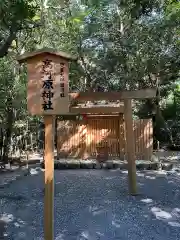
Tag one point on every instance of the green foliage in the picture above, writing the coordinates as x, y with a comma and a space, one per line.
17, 10
15, 16
120, 45
171, 110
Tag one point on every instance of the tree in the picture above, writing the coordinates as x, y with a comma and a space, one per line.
15, 16
120, 45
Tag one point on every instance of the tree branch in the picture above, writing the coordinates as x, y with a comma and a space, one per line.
12, 35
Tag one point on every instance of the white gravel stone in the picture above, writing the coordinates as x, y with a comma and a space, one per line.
94, 204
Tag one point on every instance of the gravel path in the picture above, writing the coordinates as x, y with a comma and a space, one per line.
94, 205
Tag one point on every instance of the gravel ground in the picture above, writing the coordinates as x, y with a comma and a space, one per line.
94, 205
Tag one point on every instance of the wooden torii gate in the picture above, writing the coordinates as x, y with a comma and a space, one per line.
126, 97
48, 96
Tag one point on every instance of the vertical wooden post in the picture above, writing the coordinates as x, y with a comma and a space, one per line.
130, 146
49, 178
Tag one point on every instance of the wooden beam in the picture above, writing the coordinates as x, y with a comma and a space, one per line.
130, 146
113, 96
49, 178
99, 110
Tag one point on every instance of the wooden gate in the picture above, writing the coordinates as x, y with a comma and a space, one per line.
81, 139
103, 131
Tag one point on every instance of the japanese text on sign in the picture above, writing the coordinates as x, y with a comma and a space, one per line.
47, 86
62, 80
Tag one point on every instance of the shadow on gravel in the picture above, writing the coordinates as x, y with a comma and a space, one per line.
2, 229
13, 198
92, 204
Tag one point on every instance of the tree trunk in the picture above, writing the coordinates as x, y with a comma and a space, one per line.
175, 104
8, 130
1, 142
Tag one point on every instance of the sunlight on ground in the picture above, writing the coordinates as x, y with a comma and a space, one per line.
170, 218
99, 206
147, 200
116, 223
150, 177
160, 214
7, 218
140, 174
60, 237
96, 210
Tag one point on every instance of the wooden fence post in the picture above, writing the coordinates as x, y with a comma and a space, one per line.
49, 177
130, 146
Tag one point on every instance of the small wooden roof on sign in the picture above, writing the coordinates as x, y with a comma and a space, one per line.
24, 57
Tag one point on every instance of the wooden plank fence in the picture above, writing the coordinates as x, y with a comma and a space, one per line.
81, 139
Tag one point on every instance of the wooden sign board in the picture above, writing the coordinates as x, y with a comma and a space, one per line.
48, 84
47, 94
